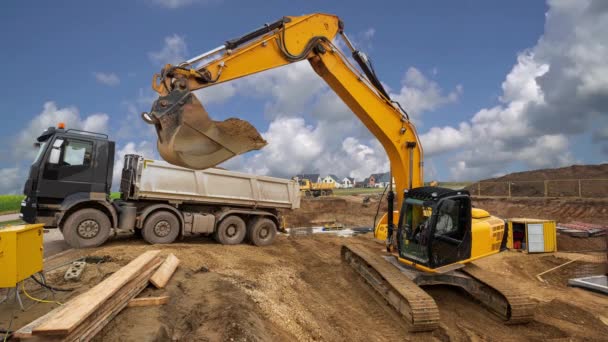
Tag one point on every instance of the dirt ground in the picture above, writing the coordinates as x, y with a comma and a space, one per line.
298, 290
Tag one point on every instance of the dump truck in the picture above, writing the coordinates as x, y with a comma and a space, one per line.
69, 188
312, 189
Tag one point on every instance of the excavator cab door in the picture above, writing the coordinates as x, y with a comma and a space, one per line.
450, 239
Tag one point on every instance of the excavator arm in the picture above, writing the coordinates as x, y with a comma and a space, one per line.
188, 137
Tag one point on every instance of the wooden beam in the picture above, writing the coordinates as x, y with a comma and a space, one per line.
78, 309
165, 271
148, 301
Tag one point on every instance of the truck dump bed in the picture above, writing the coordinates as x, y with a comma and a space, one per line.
159, 180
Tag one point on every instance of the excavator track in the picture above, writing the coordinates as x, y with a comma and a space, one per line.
414, 304
515, 307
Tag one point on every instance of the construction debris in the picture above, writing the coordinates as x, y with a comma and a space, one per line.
75, 271
595, 283
84, 316
582, 229
165, 271
148, 301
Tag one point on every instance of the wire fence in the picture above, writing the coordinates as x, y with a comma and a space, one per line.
580, 188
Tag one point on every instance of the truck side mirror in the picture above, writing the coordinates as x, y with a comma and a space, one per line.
56, 152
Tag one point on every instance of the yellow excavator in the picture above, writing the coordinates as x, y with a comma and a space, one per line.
435, 233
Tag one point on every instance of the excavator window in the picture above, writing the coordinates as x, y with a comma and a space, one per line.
414, 230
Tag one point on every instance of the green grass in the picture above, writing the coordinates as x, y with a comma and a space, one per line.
10, 203
11, 223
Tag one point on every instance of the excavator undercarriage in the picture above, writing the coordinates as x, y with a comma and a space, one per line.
400, 286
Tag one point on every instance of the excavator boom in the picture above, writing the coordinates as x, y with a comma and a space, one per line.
189, 138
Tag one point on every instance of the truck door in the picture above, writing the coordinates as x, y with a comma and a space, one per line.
68, 168
451, 237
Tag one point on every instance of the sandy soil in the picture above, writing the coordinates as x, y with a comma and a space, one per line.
298, 289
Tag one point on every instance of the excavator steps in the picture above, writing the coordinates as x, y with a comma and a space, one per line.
416, 306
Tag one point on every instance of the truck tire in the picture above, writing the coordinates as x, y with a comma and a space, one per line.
230, 231
261, 231
86, 228
160, 227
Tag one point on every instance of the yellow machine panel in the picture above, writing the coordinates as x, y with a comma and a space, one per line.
532, 235
21, 253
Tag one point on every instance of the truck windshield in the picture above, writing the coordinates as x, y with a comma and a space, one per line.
41, 148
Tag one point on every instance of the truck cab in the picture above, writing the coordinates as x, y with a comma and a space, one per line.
71, 166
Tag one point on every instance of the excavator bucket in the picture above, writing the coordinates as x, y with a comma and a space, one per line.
188, 137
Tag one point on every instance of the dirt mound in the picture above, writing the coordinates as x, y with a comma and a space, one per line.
569, 172
589, 181
351, 211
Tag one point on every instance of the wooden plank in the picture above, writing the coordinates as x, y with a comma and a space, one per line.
95, 323
78, 309
26, 330
165, 271
148, 301
127, 292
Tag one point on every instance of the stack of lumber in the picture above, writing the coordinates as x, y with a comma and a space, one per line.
85, 315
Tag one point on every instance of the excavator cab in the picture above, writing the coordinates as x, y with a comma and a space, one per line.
434, 226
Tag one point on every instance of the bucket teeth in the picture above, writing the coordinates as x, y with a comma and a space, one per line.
188, 137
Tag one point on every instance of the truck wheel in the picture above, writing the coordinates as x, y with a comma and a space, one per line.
86, 228
160, 227
261, 231
230, 231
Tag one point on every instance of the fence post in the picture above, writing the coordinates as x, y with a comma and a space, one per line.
546, 191
509, 189
580, 193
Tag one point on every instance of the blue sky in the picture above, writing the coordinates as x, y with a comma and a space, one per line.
450, 58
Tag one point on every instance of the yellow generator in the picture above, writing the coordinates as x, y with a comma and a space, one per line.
21, 253
532, 235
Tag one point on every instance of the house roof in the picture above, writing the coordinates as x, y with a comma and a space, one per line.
334, 177
351, 179
310, 176
380, 177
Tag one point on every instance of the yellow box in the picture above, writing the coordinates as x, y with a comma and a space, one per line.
535, 235
21, 253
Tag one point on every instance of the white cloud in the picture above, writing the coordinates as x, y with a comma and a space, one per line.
11, 180
556, 90
109, 79
50, 116
173, 51
418, 94
180, 3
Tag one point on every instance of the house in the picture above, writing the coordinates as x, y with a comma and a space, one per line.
332, 179
313, 177
378, 180
348, 182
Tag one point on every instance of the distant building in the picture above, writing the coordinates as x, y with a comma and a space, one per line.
348, 182
378, 180
332, 179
